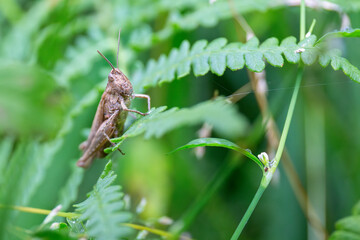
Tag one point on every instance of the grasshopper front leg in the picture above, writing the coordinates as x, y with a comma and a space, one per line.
143, 96
125, 108
100, 138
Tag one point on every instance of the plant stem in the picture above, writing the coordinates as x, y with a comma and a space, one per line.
40, 211
248, 212
267, 176
287, 122
302, 20
75, 215
311, 27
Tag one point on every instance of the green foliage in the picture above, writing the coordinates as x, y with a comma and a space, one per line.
204, 14
69, 192
104, 209
52, 234
209, 15
23, 112
219, 142
51, 81
27, 157
348, 227
220, 114
218, 55
347, 33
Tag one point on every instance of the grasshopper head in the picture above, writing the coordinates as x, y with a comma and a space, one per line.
118, 82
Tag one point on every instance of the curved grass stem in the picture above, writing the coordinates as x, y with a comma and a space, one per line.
302, 20
267, 176
248, 212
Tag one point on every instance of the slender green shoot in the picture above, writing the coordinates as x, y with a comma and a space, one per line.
311, 28
302, 20
285, 131
248, 212
267, 175
40, 211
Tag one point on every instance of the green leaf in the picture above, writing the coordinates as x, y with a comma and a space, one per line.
104, 209
219, 142
234, 60
69, 191
349, 224
80, 59
253, 58
201, 14
356, 209
272, 52
342, 235
30, 100
221, 115
350, 70
347, 33
348, 227
6, 145
217, 55
289, 47
200, 56
310, 53
51, 234
218, 60
324, 59
18, 48
184, 69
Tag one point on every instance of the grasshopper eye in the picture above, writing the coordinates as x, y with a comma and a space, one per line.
111, 77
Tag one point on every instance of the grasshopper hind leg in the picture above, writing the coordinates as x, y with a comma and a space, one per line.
113, 144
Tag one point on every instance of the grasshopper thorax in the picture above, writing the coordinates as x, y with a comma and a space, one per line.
119, 83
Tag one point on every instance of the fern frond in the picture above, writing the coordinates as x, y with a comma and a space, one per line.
80, 58
134, 14
6, 146
19, 183
340, 63
19, 180
221, 115
348, 227
15, 47
69, 191
347, 33
206, 15
217, 55
104, 209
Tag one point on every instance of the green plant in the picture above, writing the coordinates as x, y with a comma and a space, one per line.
49, 78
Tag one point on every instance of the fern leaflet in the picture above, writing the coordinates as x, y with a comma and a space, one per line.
220, 114
104, 209
348, 227
219, 55
206, 15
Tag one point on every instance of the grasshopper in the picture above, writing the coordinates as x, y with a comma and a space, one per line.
111, 114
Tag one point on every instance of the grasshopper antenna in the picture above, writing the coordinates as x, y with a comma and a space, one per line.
117, 53
106, 59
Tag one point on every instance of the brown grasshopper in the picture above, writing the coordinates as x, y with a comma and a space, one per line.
110, 115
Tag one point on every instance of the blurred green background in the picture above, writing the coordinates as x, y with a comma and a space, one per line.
51, 79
